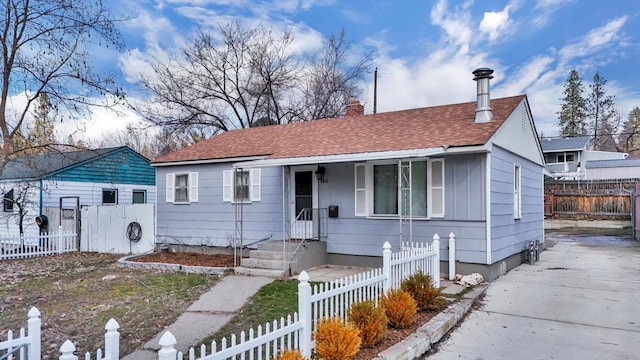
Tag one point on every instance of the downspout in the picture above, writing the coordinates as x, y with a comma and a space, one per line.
488, 206
41, 196
284, 225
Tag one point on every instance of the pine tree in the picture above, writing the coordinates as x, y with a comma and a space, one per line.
573, 112
603, 115
629, 139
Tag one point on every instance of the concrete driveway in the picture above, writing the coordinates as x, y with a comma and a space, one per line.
580, 301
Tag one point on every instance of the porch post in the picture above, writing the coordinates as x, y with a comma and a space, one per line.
452, 256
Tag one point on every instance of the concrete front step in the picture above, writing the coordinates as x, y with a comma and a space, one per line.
241, 270
263, 263
273, 245
266, 254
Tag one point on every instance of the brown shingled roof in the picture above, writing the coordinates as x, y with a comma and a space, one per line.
422, 128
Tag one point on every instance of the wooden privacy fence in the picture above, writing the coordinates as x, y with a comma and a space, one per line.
27, 246
589, 199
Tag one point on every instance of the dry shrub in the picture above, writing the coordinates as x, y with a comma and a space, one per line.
399, 307
427, 297
290, 355
336, 340
371, 320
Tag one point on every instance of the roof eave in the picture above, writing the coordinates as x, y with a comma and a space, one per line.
360, 157
208, 161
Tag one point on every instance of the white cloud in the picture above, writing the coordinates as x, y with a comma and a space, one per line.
494, 22
595, 40
457, 25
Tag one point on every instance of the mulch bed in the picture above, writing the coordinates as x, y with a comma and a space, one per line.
189, 259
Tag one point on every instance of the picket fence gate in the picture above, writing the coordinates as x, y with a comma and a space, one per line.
332, 299
28, 246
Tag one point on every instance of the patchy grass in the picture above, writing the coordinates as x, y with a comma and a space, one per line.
78, 293
273, 301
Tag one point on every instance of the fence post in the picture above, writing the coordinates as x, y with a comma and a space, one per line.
67, 350
112, 340
452, 256
60, 240
304, 312
435, 271
34, 328
386, 266
167, 347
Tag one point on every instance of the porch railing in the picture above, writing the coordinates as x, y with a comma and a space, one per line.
310, 224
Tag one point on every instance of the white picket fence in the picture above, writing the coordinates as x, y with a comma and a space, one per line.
28, 246
28, 344
331, 299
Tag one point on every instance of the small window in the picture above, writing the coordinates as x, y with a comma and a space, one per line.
139, 196
109, 196
570, 158
560, 158
8, 201
182, 188
241, 186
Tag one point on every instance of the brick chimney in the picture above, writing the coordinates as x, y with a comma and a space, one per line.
483, 105
355, 108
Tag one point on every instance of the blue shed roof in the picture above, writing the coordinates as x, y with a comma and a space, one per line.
564, 143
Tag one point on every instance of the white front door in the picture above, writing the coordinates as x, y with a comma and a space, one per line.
304, 198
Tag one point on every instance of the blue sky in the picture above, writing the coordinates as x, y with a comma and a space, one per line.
426, 50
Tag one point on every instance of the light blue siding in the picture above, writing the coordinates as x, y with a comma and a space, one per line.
210, 221
509, 235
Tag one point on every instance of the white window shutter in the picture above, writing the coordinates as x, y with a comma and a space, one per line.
436, 188
254, 178
360, 190
193, 187
170, 187
227, 185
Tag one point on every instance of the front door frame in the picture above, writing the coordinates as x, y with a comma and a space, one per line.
292, 188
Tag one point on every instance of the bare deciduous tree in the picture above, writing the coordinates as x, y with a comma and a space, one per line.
629, 139
250, 77
46, 49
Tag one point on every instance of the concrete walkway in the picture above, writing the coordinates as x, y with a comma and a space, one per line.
207, 315
580, 301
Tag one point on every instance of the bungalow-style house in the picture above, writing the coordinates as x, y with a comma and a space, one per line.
566, 157
47, 184
353, 183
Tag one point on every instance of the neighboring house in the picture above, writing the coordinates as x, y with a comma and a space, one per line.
612, 169
71, 179
566, 156
474, 169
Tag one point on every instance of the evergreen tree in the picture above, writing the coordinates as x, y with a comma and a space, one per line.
603, 115
629, 139
573, 112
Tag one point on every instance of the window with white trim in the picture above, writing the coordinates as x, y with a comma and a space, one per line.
139, 196
7, 201
182, 187
517, 192
109, 196
241, 185
378, 187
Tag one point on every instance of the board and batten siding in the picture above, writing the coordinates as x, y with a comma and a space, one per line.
123, 166
508, 234
464, 213
90, 193
211, 221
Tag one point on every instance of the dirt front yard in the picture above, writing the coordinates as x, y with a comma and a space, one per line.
78, 293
